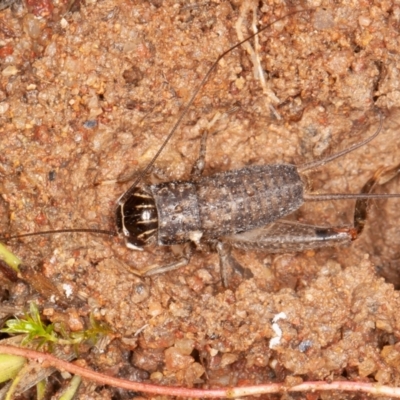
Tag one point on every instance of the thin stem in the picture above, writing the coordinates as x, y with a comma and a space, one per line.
50, 360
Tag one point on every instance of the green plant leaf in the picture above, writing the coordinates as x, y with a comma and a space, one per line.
32, 326
10, 366
11, 259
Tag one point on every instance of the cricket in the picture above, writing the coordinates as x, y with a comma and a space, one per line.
241, 208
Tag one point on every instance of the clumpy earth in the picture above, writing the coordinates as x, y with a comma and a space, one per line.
89, 91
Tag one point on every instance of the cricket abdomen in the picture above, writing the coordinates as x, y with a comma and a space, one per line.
248, 198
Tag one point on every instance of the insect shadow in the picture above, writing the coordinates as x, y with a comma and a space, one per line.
240, 208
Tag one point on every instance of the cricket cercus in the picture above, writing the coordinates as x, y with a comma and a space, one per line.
240, 208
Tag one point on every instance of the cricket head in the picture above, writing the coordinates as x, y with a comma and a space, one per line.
136, 218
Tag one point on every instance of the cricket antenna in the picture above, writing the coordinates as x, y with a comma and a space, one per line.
6, 238
202, 83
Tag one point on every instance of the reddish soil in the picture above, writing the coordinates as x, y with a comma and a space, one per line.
87, 97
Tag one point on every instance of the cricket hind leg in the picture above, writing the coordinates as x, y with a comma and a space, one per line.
290, 237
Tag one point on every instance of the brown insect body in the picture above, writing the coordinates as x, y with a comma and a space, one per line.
211, 207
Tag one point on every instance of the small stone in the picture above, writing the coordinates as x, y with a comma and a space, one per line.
10, 71
174, 360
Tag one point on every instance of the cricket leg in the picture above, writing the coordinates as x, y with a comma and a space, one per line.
200, 163
228, 262
290, 236
183, 252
